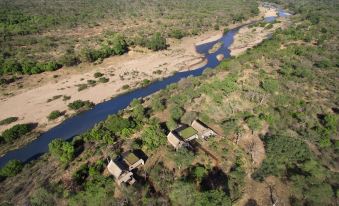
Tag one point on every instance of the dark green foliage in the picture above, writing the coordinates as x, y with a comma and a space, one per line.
15, 132
126, 86
270, 85
157, 104
116, 124
8, 120
42, 197
145, 82
98, 74
69, 58
12, 168
156, 42
79, 104
103, 80
138, 110
253, 123
153, 137
114, 44
54, 115
283, 153
99, 190
176, 112
213, 197
177, 34
182, 157
62, 150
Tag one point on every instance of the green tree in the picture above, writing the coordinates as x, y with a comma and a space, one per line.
176, 112
156, 42
116, 124
62, 150
138, 111
15, 132
12, 168
153, 137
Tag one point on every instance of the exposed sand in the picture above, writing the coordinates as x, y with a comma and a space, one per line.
30, 103
249, 37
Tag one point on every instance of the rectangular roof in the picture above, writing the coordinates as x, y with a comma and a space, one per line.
131, 158
187, 132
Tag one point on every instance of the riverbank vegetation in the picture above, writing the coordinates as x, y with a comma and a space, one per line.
38, 37
275, 108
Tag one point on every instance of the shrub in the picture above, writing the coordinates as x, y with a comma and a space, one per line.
270, 85
126, 86
176, 112
15, 132
103, 80
54, 115
156, 42
12, 168
98, 74
62, 150
157, 104
153, 137
116, 123
254, 123
8, 120
171, 124
177, 34
79, 104
82, 87
145, 82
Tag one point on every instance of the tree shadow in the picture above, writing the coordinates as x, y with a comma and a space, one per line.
216, 179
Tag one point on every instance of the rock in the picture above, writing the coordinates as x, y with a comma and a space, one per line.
220, 57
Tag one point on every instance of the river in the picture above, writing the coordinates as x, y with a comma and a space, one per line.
86, 120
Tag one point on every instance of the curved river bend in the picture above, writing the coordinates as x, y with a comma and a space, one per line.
86, 120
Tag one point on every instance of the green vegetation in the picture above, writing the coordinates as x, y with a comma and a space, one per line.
188, 132
282, 94
15, 132
38, 37
79, 104
8, 120
54, 115
62, 150
12, 168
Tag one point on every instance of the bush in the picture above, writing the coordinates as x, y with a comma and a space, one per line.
116, 123
8, 120
79, 104
145, 82
12, 168
153, 137
254, 123
177, 34
176, 112
126, 86
15, 132
157, 104
103, 80
270, 85
62, 150
54, 115
156, 42
98, 74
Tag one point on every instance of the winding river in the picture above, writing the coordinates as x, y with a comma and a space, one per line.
84, 121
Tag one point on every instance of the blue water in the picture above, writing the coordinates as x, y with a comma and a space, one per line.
86, 120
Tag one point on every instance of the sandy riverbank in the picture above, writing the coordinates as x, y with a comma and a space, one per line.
248, 37
30, 104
